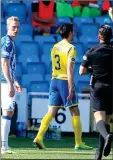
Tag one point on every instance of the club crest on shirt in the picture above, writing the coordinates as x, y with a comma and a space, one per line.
84, 58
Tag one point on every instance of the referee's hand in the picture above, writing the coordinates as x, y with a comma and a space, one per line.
110, 11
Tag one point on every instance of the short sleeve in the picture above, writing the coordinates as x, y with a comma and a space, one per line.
72, 54
87, 59
6, 48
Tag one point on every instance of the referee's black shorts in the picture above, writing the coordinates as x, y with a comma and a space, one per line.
101, 98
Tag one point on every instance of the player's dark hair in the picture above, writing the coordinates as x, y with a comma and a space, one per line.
65, 29
105, 32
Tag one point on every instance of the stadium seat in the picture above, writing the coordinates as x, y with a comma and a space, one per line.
61, 20
79, 51
49, 70
29, 10
88, 39
46, 57
2, 13
3, 29
48, 77
78, 77
80, 20
76, 72
36, 68
91, 44
26, 29
29, 52
103, 20
28, 78
75, 39
21, 38
59, 38
44, 39
89, 29
16, 9
39, 86
18, 70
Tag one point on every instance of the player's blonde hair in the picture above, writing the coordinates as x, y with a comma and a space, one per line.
12, 18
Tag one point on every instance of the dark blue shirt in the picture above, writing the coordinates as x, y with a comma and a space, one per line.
8, 51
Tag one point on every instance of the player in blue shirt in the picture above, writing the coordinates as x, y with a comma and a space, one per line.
9, 83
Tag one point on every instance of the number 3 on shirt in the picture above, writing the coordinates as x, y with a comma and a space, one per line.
57, 57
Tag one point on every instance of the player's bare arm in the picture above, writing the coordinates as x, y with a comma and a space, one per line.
5, 69
111, 13
70, 74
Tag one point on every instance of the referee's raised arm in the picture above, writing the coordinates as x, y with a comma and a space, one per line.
111, 13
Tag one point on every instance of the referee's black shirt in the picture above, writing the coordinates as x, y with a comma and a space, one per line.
100, 59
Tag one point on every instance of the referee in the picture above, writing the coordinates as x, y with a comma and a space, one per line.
98, 60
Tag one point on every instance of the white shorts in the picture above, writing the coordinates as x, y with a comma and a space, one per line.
6, 101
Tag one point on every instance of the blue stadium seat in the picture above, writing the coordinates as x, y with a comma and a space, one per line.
79, 51
2, 13
29, 10
48, 77
21, 38
6, 2
91, 44
29, 52
28, 78
36, 68
78, 77
83, 87
46, 57
44, 39
49, 70
76, 72
61, 20
80, 20
75, 39
59, 38
89, 29
16, 9
39, 86
18, 70
26, 29
103, 20
88, 39
3, 29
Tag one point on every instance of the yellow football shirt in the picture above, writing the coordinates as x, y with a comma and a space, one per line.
59, 56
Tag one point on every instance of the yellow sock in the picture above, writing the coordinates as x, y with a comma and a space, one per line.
44, 126
76, 123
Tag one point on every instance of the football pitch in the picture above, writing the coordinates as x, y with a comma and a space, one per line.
56, 149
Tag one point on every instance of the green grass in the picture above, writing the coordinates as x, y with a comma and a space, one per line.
62, 149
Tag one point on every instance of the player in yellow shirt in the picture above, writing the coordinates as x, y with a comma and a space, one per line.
62, 91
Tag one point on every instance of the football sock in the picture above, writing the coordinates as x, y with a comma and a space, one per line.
44, 126
5, 129
101, 126
76, 123
101, 142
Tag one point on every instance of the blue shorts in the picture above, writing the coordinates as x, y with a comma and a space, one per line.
59, 92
